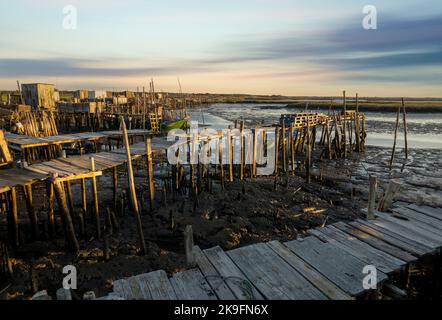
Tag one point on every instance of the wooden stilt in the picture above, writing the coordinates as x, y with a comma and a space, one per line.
13, 219
27, 190
67, 219
230, 146
51, 215
133, 194
372, 197
150, 181
241, 168
95, 197
393, 151
188, 246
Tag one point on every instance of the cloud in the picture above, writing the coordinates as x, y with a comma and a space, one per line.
79, 67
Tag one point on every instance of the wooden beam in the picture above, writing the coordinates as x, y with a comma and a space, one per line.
133, 193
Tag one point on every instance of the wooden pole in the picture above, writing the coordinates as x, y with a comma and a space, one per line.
13, 219
67, 219
395, 137
115, 186
221, 164
308, 156
150, 181
133, 194
241, 174
188, 246
27, 190
95, 197
230, 146
372, 197
255, 147
283, 141
405, 130
51, 215
344, 138
83, 198
292, 147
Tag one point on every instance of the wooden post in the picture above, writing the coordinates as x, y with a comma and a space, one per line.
95, 197
241, 172
51, 215
388, 197
188, 246
221, 164
284, 155
405, 130
255, 147
372, 197
308, 157
133, 193
115, 186
230, 146
292, 147
344, 138
276, 150
150, 181
13, 219
67, 219
395, 138
27, 190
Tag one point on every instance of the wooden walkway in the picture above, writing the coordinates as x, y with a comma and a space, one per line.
21, 142
327, 264
75, 166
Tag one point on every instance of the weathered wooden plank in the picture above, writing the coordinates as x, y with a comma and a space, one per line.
361, 250
297, 286
395, 239
334, 263
140, 282
375, 242
137, 293
436, 236
261, 279
261, 264
191, 285
159, 285
227, 269
430, 211
317, 279
123, 289
212, 276
427, 221
419, 237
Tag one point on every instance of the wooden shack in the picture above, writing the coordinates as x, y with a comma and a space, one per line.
39, 95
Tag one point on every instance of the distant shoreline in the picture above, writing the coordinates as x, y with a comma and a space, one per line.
371, 106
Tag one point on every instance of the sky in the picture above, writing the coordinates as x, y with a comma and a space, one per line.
281, 47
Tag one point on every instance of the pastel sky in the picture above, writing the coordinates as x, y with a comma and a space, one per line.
286, 47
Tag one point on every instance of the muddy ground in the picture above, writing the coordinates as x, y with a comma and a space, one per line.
245, 212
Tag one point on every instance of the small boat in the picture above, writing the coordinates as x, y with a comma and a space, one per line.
168, 126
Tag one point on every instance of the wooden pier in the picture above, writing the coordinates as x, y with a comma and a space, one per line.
328, 264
